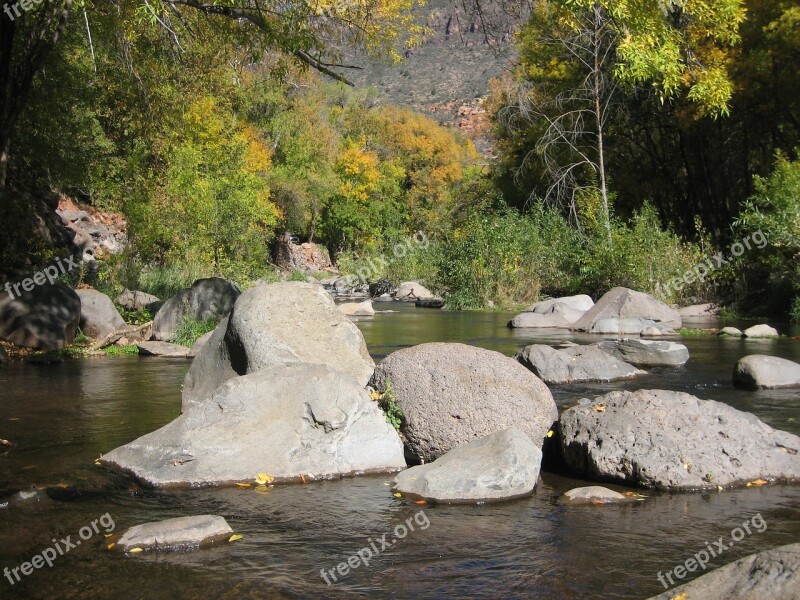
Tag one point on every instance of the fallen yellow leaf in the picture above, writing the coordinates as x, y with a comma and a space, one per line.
135, 550
235, 536
376, 396
420, 502
681, 596
599, 408
397, 495
263, 479
111, 545
757, 482
244, 485
107, 535
550, 434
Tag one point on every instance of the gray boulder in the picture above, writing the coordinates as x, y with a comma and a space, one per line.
593, 494
731, 331
201, 341
580, 303
532, 320
760, 331
625, 311
357, 309
647, 353
289, 420
771, 574
180, 533
210, 298
163, 349
278, 323
46, 317
452, 394
411, 291
758, 371
674, 441
136, 300
500, 466
630, 326
574, 364
99, 316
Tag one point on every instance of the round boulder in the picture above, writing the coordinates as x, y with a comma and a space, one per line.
210, 298
622, 310
451, 394
759, 371
45, 317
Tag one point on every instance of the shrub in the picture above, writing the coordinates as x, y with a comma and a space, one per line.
190, 330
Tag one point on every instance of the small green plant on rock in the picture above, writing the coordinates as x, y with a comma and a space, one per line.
190, 330
386, 401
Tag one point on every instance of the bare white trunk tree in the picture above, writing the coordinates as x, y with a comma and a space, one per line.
572, 146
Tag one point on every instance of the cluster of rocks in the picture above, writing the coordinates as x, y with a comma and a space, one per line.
756, 331
620, 311
94, 234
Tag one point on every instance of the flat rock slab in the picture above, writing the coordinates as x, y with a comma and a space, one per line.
760, 331
593, 495
674, 441
575, 364
452, 394
500, 466
181, 533
771, 574
759, 371
162, 349
647, 353
290, 421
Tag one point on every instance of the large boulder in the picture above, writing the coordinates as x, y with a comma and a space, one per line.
410, 291
771, 574
647, 353
210, 298
758, 371
278, 323
179, 533
500, 466
451, 394
559, 313
46, 317
674, 441
624, 311
136, 300
574, 364
761, 331
99, 316
289, 420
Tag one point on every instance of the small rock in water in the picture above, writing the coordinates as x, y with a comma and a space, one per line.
731, 331
500, 466
163, 349
760, 331
647, 353
593, 494
759, 371
181, 533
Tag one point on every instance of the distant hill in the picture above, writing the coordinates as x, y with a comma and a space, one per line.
447, 76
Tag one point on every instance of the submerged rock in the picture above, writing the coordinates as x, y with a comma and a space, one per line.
46, 317
760, 331
288, 420
180, 533
451, 394
210, 298
625, 311
593, 494
731, 331
575, 364
772, 574
357, 309
647, 353
500, 466
672, 440
277, 323
761, 371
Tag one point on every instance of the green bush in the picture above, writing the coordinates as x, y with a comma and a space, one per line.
190, 330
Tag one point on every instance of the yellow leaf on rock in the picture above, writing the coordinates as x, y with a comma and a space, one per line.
681, 596
242, 484
757, 482
599, 408
111, 545
376, 396
263, 479
135, 550
550, 434
420, 502
397, 495
235, 536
